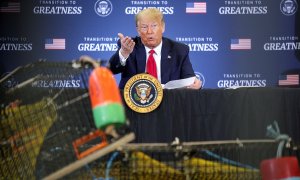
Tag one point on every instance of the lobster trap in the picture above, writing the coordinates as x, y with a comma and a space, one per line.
47, 124
209, 160
46, 117
43, 110
194, 160
226, 160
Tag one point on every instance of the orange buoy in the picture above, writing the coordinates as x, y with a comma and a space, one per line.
105, 98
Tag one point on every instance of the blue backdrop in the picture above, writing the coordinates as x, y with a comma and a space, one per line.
232, 43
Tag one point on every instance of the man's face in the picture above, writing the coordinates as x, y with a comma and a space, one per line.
150, 31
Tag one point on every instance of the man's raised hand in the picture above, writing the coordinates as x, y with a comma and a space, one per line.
127, 45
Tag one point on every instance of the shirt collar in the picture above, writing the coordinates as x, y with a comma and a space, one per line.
157, 49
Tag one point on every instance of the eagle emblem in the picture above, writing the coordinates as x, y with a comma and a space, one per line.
143, 93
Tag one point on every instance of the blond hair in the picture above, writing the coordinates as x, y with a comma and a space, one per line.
152, 13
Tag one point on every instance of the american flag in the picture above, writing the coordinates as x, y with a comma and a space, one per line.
55, 44
288, 80
195, 7
10, 7
239, 44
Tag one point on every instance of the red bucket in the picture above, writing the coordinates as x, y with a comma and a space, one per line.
280, 168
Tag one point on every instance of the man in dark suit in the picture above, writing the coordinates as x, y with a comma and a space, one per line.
171, 58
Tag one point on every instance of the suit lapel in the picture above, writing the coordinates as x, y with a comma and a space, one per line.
141, 58
165, 61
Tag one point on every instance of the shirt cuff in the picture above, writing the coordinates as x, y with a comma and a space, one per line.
122, 59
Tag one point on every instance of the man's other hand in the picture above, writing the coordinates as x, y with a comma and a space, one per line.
196, 85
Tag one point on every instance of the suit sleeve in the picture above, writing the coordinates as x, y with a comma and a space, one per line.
187, 68
114, 63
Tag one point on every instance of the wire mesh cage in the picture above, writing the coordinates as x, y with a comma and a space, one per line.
45, 108
197, 160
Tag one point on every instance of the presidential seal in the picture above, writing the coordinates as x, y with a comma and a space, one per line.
103, 7
288, 7
143, 93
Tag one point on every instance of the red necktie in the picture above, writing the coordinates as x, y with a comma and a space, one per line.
151, 65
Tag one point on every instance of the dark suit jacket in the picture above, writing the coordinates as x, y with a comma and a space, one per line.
175, 62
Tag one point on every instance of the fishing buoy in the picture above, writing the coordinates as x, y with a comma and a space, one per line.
105, 98
283, 168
